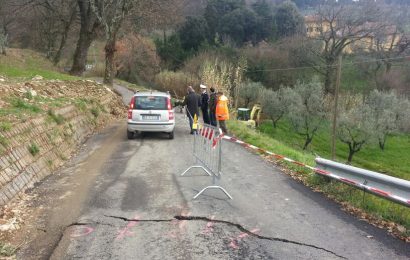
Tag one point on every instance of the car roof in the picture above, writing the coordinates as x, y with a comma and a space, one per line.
151, 93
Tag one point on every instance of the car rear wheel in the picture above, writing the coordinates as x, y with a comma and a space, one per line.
130, 135
171, 135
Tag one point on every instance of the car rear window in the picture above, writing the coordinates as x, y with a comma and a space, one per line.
151, 103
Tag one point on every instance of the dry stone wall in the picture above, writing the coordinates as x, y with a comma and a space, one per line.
33, 149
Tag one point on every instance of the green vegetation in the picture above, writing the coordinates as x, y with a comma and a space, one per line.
5, 126
59, 119
95, 111
3, 141
290, 145
23, 105
7, 250
19, 108
392, 161
27, 64
33, 149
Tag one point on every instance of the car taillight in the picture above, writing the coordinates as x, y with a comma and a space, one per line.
170, 112
129, 113
132, 103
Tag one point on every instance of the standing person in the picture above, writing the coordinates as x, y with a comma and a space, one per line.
222, 112
212, 106
204, 104
192, 103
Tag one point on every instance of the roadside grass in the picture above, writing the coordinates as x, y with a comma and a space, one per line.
19, 108
284, 141
394, 160
7, 250
20, 63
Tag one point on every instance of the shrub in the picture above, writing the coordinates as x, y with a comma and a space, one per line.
95, 111
33, 149
136, 59
175, 82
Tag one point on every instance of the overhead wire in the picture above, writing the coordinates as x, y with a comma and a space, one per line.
334, 66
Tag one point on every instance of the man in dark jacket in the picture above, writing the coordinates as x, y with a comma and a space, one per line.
204, 104
192, 102
212, 106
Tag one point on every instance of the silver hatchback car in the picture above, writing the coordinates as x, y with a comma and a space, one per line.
151, 112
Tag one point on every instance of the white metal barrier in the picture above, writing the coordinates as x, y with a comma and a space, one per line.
207, 151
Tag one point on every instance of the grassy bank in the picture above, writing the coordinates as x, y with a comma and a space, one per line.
20, 63
394, 160
284, 142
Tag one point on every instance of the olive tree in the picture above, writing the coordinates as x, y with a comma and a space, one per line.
249, 91
356, 126
389, 113
274, 104
307, 108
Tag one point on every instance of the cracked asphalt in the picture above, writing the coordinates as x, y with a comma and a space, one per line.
125, 199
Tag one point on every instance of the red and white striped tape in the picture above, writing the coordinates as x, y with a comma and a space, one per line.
322, 172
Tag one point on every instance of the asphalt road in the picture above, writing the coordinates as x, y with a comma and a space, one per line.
125, 199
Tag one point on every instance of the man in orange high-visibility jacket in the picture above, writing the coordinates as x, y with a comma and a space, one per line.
222, 112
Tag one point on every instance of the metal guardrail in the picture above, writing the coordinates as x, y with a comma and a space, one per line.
394, 189
207, 151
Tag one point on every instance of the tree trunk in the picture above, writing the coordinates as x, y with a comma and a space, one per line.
329, 79
81, 53
64, 36
109, 61
350, 158
307, 142
382, 142
63, 40
89, 25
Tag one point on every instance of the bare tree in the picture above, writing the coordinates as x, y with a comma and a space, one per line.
111, 15
65, 13
89, 26
389, 44
335, 27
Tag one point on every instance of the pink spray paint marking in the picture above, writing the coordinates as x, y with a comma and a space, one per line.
209, 226
182, 223
126, 231
82, 231
235, 241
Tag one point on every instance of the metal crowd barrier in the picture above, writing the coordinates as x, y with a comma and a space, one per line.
207, 151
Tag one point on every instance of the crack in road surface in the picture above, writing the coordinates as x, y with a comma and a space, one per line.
241, 228
206, 219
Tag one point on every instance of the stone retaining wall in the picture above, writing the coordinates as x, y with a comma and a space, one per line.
32, 150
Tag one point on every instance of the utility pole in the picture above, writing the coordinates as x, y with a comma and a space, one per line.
337, 87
